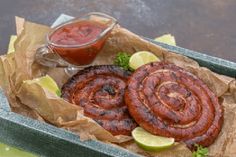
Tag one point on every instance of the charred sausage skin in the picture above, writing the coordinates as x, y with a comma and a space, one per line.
100, 91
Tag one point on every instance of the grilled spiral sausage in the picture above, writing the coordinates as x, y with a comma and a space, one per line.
100, 91
169, 101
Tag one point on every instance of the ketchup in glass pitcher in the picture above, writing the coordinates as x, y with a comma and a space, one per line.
79, 41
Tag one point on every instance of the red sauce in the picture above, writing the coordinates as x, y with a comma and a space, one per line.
69, 40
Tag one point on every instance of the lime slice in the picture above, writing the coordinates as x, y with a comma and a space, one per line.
151, 142
140, 58
167, 39
46, 82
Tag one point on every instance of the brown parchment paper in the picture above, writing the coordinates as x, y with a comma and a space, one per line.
33, 101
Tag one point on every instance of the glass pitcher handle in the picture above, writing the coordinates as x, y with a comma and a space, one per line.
46, 57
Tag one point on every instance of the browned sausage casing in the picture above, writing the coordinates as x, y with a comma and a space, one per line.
100, 91
169, 101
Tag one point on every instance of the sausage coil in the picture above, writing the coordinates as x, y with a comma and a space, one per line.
100, 91
169, 101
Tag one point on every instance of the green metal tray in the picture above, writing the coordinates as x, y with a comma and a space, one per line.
47, 140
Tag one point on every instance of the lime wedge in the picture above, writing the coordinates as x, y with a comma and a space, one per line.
11, 48
167, 39
46, 82
140, 58
151, 142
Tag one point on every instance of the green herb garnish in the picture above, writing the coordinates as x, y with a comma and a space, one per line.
122, 60
200, 152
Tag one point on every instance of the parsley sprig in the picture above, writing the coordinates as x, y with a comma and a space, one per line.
122, 60
200, 151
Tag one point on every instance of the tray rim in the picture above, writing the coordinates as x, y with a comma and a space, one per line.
215, 64
99, 147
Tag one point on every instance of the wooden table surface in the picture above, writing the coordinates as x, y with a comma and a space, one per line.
208, 26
